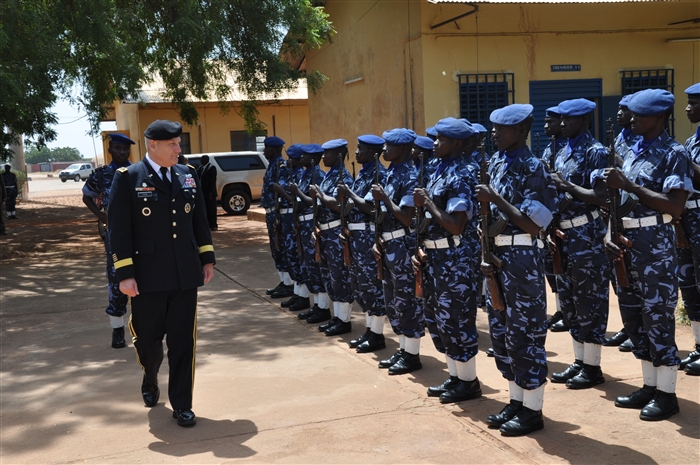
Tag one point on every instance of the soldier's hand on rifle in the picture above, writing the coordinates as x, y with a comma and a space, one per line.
560, 183
314, 191
343, 189
294, 188
378, 192
488, 269
377, 253
420, 196
277, 188
550, 243
485, 193
613, 250
416, 264
615, 179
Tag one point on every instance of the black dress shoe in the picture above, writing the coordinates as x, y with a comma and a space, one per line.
150, 393
332, 322
286, 291
287, 303
323, 314
507, 414
616, 340
490, 352
556, 318
307, 314
589, 376
343, 327
463, 390
302, 303
559, 327
661, 407
437, 391
185, 417
279, 287
391, 360
570, 372
356, 342
693, 356
374, 342
118, 341
406, 364
693, 369
524, 422
626, 346
638, 399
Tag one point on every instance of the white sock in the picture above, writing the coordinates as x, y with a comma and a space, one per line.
649, 373
296, 289
344, 310
323, 300
281, 273
378, 324
335, 308
412, 345
695, 327
578, 349
466, 371
666, 376
591, 354
556, 299
451, 365
303, 291
315, 296
516, 392
368, 320
402, 342
534, 398
286, 279
116, 321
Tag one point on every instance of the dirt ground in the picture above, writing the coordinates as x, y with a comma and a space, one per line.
55, 225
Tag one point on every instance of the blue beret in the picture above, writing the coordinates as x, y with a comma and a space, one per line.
371, 139
335, 144
454, 128
162, 129
273, 141
512, 114
693, 90
312, 149
479, 128
552, 112
426, 143
576, 107
399, 136
625, 100
431, 131
294, 151
120, 139
651, 102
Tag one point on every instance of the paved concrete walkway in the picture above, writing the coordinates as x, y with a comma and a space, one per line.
271, 389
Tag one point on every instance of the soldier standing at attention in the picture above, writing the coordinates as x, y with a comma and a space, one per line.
521, 189
207, 177
449, 279
333, 269
424, 145
658, 172
367, 287
276, 172
396, 199
96, 197
583, 289
10, 180
689, 259
162, 251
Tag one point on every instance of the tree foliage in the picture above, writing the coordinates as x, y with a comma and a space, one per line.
45, 154
110, 48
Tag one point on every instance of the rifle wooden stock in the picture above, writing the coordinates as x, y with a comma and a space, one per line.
317, 244
681, 238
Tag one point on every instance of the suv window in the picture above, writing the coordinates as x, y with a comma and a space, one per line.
240, 163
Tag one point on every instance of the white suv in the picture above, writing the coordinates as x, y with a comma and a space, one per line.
239, 178
76, 171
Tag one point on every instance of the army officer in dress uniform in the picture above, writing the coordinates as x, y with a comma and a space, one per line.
162, 253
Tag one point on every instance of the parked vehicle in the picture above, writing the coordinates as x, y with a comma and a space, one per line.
76, 171
239, 178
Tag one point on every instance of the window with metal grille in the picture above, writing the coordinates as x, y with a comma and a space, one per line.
480, 94
636, 80
185, 143
242, 141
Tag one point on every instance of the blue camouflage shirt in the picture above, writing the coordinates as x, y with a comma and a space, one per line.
329, 186
624, 142
400, 182
547, 152
267, 200
311, 175
692, 145
362, 187
99, 182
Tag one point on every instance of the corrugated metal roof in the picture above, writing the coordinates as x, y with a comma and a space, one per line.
552, 1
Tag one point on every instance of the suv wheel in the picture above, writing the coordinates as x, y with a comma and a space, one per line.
76, 178
64, 179
236, 202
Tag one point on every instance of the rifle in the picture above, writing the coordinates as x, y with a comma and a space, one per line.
278, 216
317, 231
378, 219
487, 255
421, 227
344, 210
556, 235
297, 226
613, 221
537, 138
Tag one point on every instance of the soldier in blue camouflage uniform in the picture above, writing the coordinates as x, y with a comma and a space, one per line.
367, 287
424, 145
396, 197
300, 298
310, 269
481, 133
583, 289
276, 172
95, 197
333, 269
658, 171
449, 280
523, 190
689, 259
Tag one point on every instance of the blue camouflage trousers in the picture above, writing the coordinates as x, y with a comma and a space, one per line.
277, 254
290, 252
518, 333
403, 310
648, 305
367, 288
450, 302
117, 300
310, 270
689, 265
584, 288
333, 271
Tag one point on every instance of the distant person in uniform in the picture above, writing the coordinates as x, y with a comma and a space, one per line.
3, 197
207, 178
162, 252
11, 192
96, 197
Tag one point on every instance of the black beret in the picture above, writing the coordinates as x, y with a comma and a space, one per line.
163, 130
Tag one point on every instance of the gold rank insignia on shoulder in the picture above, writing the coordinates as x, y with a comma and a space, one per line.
123, 169
114, 257
187, 208
146, 211
191, 166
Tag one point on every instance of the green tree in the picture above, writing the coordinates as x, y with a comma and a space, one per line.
109, 48
45, 154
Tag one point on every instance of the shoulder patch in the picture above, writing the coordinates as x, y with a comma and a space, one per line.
123, 169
